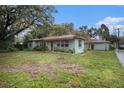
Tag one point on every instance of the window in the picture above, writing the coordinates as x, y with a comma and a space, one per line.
66, 44
63, 44
79, 43
40, 43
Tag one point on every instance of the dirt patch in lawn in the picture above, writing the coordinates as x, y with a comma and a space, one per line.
4, 66
49, 69
32, 68
73, 68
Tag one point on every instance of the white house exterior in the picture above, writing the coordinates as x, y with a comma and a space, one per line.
97, 45
66, 41
73, 42
101, 46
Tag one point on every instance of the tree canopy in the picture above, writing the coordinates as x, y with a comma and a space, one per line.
62, 29
104, 32
15, 19
50, 30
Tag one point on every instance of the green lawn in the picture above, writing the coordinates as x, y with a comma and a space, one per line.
37, 69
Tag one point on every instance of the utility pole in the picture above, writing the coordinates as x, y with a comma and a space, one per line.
118, 37
118, 32
114, 32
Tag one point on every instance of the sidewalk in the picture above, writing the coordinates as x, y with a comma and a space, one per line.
120, 56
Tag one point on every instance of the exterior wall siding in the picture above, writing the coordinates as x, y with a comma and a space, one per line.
77, 48
33, 44
85, 46
73, 44
55, 44
48, 44
108, 46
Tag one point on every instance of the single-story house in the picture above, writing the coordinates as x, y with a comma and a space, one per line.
66, 41
76, 43
95, 44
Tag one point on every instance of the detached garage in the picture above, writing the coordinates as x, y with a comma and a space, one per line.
100, 45
121, 44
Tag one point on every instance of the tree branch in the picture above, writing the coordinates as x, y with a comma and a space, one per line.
14, 33
9, 21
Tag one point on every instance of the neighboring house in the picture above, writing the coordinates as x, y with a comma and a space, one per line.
66, 41
95, 44
121, 44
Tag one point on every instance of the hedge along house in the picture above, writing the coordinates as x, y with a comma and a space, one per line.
95, 44
72, 42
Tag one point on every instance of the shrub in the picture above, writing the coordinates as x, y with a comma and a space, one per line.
44, 48
111, 47
59, 49
70, 51
12, 49
19, 46
28, 49
39, 48
3, 50
67, 50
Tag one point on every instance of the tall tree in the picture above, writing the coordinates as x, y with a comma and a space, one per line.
113, 39
104, 32
15, 19
83, 31
42, 31
83, 28
89, 32
62, 29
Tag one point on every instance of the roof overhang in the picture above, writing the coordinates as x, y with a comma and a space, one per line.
58, 38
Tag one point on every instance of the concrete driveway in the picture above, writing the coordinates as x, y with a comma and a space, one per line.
120, 55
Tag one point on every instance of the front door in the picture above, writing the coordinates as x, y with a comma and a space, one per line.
51, 45
92, 46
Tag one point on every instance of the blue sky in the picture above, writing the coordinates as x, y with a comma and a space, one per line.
90, 15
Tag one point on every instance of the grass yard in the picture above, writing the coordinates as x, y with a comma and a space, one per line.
36, 69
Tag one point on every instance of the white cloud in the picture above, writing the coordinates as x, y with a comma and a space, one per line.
119, 26
111, 20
